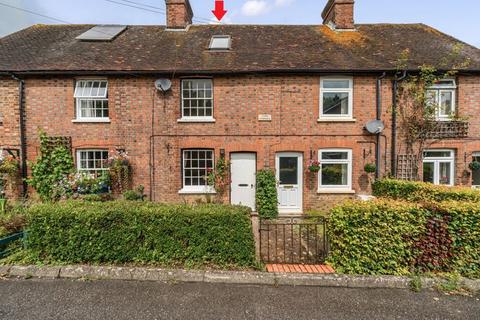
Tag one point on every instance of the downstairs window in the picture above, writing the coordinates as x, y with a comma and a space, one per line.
196, 165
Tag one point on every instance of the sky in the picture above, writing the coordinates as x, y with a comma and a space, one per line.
458, 18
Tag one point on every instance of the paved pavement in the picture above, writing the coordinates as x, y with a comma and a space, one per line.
74, 299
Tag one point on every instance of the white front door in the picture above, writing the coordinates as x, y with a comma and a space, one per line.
290, 182
243, 168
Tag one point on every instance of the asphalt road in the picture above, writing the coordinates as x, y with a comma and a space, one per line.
84, 300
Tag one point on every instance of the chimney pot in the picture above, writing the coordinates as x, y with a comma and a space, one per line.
339, 14
179, 14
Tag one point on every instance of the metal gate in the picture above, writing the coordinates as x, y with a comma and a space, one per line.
294, 241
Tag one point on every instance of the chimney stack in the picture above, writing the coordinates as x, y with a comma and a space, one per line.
179, 14
338, 14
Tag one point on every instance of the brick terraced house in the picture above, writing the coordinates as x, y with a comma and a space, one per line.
263, 96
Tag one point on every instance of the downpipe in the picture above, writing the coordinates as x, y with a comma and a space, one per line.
378, 147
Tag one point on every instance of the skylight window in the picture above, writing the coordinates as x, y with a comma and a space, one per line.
102, 33
220, 43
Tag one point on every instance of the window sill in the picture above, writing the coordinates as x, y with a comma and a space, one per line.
91, 121
335, 191
336, 120
198, 191
196, 120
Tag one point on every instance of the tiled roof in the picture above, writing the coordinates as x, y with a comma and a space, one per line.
255, 48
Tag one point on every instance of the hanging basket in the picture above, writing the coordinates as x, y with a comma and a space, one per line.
314, 166
474, 165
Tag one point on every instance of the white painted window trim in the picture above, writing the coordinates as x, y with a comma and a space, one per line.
439, 89
187, 119
196, 189
436, 165
336, 189
78, 99
78, 158
475, 155
334, 118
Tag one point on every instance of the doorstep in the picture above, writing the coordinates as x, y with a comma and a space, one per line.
300, 268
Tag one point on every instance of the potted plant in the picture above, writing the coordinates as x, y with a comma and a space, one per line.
314, 166
370, 168
474, 165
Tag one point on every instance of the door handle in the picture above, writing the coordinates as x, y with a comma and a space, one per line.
243, 185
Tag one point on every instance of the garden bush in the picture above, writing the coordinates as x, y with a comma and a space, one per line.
392, 237
266, 195
143, 233
420, 191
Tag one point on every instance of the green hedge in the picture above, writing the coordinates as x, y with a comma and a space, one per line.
390, 237
266, 195
146, 233
420, 191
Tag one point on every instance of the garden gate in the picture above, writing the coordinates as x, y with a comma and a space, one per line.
294, 240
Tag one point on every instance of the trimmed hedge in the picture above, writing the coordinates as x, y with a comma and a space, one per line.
390, 237
266, 195
145, 233
421, 191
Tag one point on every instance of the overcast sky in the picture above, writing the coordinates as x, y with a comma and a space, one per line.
459, 18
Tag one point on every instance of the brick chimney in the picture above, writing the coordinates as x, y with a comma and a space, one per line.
179, 14
338, 14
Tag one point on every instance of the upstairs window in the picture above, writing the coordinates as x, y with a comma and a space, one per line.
197, 100
441, 97
92, 100
336, 98
92, 161
335, 169
439, 167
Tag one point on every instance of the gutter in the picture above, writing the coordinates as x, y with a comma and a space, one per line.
208, 72
394, 120
378, 147
23, 136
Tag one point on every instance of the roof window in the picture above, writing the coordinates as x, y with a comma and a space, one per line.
102, 33
220, 43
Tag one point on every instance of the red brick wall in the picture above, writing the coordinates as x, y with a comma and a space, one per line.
293, 102
179, 14
340, 12
9, 124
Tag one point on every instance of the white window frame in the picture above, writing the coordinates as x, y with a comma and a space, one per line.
196, 118
89, 170
436, 165
439, 89
475, 155
92, 97
348, 161
205, 189
349, 90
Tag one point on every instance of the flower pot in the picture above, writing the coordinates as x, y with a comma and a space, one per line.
313, 169
3, 205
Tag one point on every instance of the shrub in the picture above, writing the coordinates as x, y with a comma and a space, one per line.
135, 195
391, 237
145, 233
420, 191
266, 196
374, 237
51, 169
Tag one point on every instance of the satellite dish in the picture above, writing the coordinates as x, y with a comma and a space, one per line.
163, 85
375, 126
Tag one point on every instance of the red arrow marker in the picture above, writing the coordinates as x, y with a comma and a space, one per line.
219, 11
